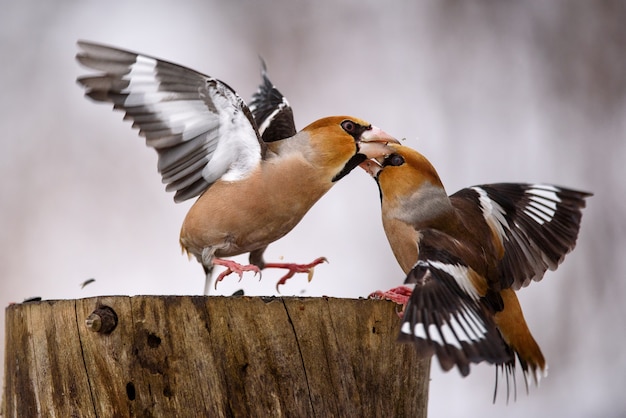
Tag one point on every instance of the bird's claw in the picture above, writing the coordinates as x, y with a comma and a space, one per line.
399, 295
234, 267
296, 268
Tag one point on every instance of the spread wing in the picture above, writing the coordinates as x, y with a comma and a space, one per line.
446, 314
201, 129
272, 111
537, 225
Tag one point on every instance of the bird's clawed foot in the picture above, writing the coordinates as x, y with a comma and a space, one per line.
399, 295
296, 268
233, 267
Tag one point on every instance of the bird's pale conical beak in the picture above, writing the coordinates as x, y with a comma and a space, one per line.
373, 143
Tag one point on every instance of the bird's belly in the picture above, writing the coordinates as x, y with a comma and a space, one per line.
236, 228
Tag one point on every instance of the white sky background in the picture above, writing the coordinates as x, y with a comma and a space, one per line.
490, 92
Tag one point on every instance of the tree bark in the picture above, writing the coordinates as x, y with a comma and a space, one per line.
188, 356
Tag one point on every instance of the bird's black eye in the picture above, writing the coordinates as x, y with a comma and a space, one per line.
349, 126
394, 160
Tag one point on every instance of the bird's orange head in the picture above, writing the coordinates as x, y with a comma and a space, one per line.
402, 172
410, 188
341, 143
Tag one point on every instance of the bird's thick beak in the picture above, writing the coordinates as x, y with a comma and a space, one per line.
373, 143
372, 167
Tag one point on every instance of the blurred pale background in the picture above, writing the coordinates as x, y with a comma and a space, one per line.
489, 91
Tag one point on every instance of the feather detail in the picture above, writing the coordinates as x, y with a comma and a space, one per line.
445, 316
271, 111
537, 224
201, 129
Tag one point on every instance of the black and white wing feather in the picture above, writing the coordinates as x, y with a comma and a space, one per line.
445, 315
201, 129
271, 110
537, 225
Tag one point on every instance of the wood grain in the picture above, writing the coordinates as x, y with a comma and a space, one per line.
211, 356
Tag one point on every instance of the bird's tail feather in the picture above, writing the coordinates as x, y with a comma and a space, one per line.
515, 332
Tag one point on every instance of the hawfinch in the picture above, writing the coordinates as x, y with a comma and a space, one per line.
255, 179
464, 256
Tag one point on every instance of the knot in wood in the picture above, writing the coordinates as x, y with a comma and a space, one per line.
102, 320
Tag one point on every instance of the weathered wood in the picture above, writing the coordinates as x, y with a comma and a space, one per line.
211, 356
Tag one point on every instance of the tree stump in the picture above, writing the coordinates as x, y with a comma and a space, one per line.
188, 356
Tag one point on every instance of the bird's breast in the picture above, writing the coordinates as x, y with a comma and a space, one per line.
238, 217
403, 240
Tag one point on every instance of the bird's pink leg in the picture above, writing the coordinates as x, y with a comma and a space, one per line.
399, 295
295, 268
233, 267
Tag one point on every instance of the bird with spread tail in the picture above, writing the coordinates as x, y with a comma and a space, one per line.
464, 257
254, 176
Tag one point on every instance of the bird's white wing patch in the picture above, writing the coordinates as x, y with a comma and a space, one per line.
537, 224
493, 214
542, 203
445, 315
201, 129
459, 273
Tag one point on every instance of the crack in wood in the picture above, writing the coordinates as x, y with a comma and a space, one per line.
211, 356
295, 336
